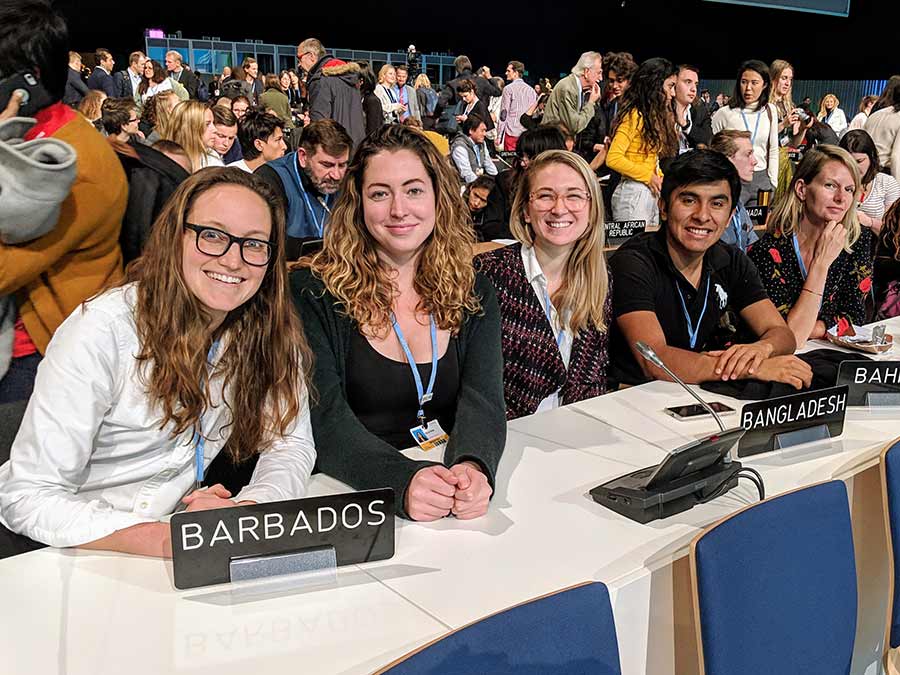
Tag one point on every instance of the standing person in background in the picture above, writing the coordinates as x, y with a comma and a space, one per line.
573, 98
791, 130
76, 89
52, 275
261, 135
101, 78
831, 114
180, 74
406, 95
276, 100
517, 98
749, 110
128, 81
736, 146
371, 104
386, 92
155, 81
333, 88
250, 69
449, 95
291, 87
695, 126
865, 109
427, 99
884, 127
644, 132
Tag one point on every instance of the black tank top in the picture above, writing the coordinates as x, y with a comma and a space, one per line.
382, 393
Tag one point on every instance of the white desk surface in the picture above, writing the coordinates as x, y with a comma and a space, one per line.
73, 612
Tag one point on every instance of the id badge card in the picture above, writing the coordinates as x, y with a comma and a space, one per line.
429, 436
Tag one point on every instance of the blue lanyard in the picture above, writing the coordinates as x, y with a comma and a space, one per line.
424, 396
547, 311
320, 227
692, 329
747, 126
799, 257
738, 229
478, 155
199, 438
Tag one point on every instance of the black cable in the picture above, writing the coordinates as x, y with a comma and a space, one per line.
760, 485
753, 476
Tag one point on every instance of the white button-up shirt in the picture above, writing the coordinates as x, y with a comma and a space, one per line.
539, 284
90, 458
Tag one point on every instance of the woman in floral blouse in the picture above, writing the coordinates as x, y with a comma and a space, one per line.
814, 259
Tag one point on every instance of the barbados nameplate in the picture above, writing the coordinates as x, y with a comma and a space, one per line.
359, 525
766, 420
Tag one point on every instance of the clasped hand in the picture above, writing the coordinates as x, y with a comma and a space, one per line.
436, 491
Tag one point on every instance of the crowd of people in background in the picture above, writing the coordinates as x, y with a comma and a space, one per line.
377, 187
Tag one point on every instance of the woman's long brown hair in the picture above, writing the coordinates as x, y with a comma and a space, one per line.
266, 360
349, 265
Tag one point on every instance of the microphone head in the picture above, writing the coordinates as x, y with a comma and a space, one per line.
647, 352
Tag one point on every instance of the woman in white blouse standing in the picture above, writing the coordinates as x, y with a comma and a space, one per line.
197, 352
387, 94
831, 114
749, 110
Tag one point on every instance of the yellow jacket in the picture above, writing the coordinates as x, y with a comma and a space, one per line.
628, 153
52, 275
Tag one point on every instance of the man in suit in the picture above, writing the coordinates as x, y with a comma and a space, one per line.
127, 81
101, 79
406, 94
76, 89
181, 74
692, 116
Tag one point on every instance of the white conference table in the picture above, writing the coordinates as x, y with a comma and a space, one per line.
71, 612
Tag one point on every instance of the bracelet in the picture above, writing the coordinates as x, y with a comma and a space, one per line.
809, 291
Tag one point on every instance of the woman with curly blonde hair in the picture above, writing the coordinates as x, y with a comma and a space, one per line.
406, 335
553, 288
197, 353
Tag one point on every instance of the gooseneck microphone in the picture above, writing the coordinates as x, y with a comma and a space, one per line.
647, 352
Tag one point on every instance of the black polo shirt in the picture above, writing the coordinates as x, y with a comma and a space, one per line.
645, 279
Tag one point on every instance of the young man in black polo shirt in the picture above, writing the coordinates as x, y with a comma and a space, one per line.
690, 297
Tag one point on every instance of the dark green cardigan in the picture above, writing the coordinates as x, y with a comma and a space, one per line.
345, 449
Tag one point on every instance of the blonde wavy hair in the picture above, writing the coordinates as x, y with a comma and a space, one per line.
822, 111
785, 104
423, 81
348, 263
788, 211
266, 361
585, 285
186, 126
383, 71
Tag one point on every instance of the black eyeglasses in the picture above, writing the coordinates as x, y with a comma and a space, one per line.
215, 242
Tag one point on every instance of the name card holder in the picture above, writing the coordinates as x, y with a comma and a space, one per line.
317, 564
789, 439
874, 385
881, 399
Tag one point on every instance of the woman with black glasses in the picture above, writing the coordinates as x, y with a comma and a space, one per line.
197, 352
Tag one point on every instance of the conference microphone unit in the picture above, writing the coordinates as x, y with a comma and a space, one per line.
692, 474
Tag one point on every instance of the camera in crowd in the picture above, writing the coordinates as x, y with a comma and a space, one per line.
413, 62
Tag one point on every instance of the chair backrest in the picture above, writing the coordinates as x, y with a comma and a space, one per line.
890, 472
571, 631
775, 586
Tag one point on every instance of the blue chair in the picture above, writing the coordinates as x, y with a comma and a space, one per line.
570, 632
890, 478
775, 586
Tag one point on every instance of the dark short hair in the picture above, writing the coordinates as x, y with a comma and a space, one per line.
518, 66
621, 63
533, 142
462, 63
688, 66
241, 98
327, 134
465, 85
101, 54
701, 167
115, 113
737, 97
402, 66
471, 123
34, 37
256, 125
859, 140
223, 116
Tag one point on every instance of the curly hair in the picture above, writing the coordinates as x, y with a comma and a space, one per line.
645, 96
585, 286
349, 265
890, 228
266, 361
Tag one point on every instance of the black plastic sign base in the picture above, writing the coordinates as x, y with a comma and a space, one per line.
766, 420
359, 525
869, 377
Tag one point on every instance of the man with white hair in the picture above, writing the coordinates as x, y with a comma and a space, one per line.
177, 71
572, 100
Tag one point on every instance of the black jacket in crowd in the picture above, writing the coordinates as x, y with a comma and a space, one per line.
484, 89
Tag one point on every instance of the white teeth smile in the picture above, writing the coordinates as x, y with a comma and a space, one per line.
224, 278
558, 225
697, 231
